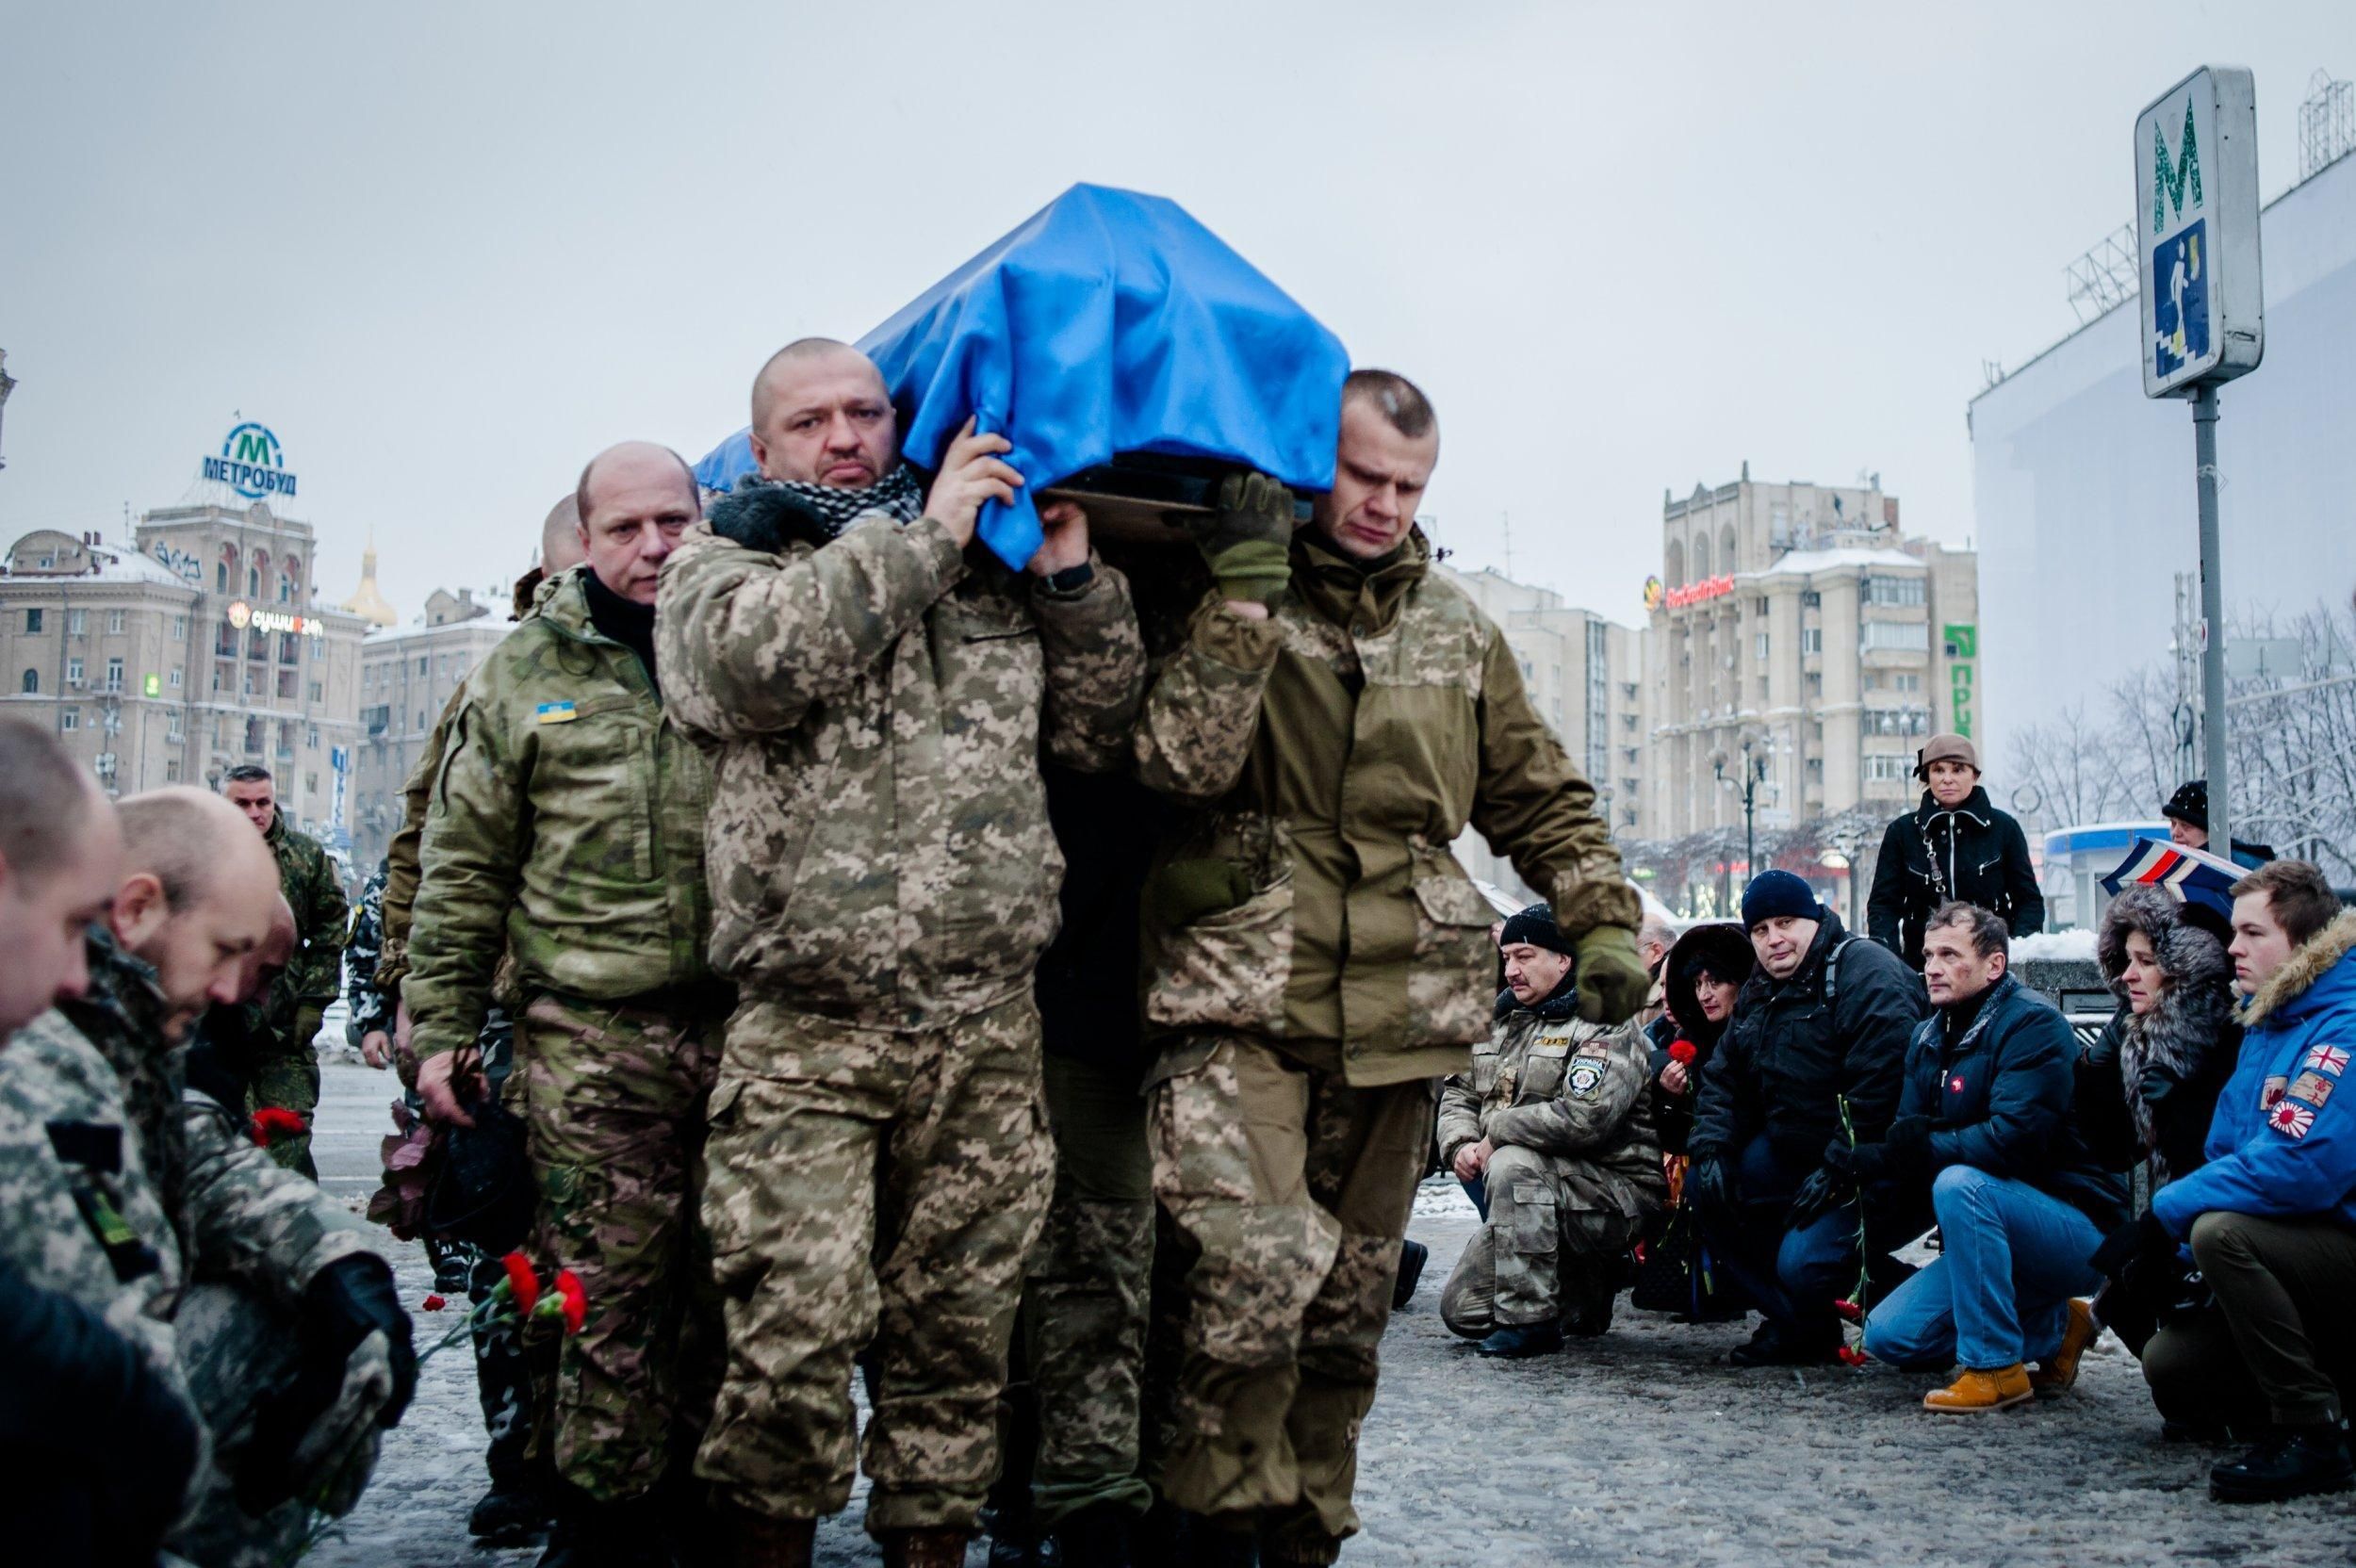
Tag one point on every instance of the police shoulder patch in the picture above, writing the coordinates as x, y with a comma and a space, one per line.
1586, 1076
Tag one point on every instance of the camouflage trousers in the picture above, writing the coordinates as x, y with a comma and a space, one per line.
879, 1188
612, 1096
1556, 1232
289, 1080
1085, 1295
1295, 1188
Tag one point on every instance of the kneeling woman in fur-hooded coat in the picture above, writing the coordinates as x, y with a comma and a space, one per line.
2147, 1089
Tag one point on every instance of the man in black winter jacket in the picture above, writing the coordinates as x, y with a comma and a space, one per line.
1954, 846
1823, 1026
1984, 1130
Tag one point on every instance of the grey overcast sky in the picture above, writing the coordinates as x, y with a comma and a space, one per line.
447, 251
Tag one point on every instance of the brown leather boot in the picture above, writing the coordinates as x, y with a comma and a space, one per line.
2059, 1375
1975, 1392
942, 1546
766, 1542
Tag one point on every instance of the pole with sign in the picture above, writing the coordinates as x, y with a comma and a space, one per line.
2203, 316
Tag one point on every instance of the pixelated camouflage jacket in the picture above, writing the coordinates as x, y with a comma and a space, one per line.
877, 710
369, 1008
119, 1187
315, 977
1563, 1087
1338, 748
566, 829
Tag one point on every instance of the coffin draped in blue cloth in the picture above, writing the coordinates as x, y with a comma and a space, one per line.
1108, 322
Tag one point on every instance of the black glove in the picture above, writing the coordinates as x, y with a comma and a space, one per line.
2145, 1237
1824, 1190
1905, 1150
1248, 541
1711, 1184
2153, 1086
348, 1301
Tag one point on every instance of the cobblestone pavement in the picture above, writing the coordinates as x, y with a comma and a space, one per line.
1639, 1448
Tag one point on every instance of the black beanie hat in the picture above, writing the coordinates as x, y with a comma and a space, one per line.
1534, 925
1780, 893
2189, 804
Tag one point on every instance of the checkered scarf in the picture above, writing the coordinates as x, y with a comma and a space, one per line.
897, 495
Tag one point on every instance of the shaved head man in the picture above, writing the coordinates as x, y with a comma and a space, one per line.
60, 856
197, 899
633, 500
820, 416
560, 548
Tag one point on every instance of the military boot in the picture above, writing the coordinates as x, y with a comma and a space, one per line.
940, 1546
512, 1513
1773, 1345
1514, 1341
589, 1533
1412, 1256
2292, 1461
766, 1542
1097, 1536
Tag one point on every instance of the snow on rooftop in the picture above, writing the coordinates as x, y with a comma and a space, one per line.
1846, 555
122, 564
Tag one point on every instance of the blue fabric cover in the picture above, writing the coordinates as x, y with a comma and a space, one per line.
1108, 321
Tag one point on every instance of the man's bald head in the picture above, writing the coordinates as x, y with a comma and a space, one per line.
199, 893
823, 415
635, 500
560, 536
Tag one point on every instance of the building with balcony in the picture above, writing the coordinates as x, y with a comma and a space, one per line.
407, 677
1582, 675
1797, 619
196, 648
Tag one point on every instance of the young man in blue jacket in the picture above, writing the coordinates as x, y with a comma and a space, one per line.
2272, 1219
1984, 1124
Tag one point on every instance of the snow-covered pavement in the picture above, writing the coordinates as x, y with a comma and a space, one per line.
1641, 1447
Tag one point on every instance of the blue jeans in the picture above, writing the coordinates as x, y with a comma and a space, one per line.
1999, 1295
1793, 1277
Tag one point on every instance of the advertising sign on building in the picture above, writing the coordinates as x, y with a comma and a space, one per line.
252, 462
2197, 230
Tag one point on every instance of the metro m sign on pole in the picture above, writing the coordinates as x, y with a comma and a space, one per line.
2196, 230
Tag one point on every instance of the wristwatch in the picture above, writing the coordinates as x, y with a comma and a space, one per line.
1071, 579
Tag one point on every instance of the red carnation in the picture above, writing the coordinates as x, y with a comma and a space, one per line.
1851, 1356
1682, 1053
1850, 1310
434, 1304
521, 1282
575, 1299
272, 1122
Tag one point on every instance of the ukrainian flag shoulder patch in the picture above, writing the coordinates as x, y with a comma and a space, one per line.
556, 713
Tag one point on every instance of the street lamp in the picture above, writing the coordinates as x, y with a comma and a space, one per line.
1750, 774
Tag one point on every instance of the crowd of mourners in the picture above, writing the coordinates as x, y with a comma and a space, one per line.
825, 965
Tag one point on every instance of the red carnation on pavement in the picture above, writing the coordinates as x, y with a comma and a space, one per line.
1851, 1356
434, 1304
272, 1122
1682, 1053
574, 1299
521, 1280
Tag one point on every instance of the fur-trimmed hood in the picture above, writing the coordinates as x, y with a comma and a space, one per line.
2193, 1017
2309, 964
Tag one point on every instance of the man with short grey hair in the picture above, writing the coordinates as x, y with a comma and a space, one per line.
284, 1071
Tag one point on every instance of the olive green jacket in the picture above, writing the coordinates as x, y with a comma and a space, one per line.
1337, 749
315, 977
565, 827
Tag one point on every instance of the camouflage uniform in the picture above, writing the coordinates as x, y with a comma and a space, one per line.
1576, 1175
287, 1072
885, 880
370, 1010
119, 1189
564, 829
1316, 957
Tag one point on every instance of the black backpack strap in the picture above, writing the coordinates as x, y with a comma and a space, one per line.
1832, 970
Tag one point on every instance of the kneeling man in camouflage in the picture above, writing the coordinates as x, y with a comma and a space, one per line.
1553, 1129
